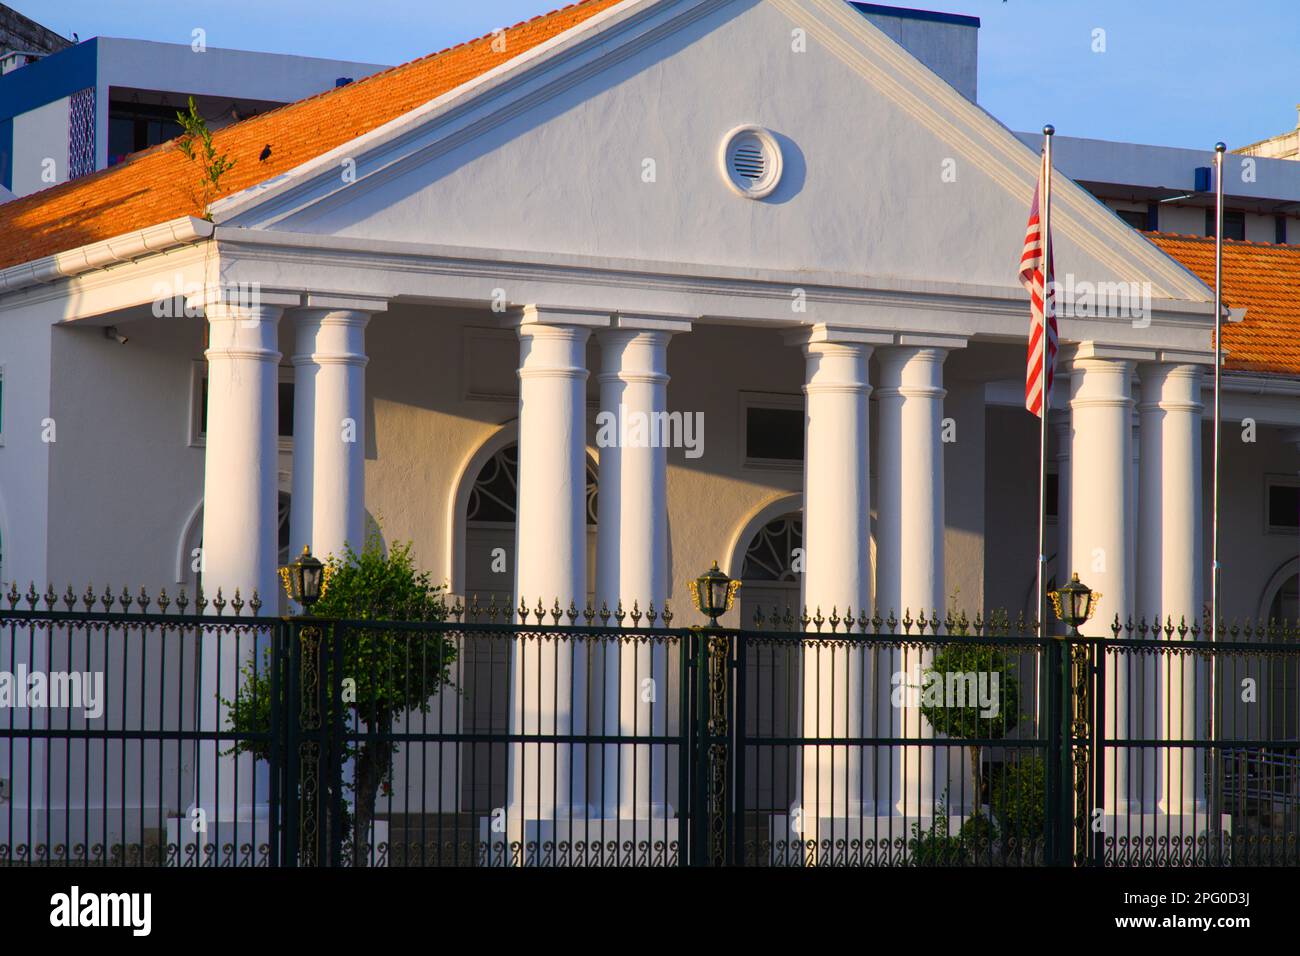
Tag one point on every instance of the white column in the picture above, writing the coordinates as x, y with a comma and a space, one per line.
1170, 566
910, 559
632, 557
549, 691
329, 429
1101, 469
837, 782
239, 530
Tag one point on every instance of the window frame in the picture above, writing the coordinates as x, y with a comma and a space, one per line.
776, 401
1272, 481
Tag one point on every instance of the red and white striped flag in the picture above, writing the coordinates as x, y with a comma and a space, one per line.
1042, 322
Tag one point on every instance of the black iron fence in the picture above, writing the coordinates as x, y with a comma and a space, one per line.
163, 733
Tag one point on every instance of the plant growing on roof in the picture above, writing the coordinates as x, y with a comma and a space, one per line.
196, 144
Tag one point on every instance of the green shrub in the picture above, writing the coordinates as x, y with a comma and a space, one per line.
385, 673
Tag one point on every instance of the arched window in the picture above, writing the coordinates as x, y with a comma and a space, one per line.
496, 489
770, 556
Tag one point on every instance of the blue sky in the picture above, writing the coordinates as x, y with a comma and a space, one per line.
1174, 72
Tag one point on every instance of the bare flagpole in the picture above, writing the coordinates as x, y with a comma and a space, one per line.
1214, 494
1046, 402
1218, 364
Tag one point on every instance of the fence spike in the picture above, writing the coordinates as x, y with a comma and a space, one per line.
69, 598
834, 619
182, 602
492, 609
107, 598
636, 613
758, 617
256, 603
50, 597
163, 601
651, 615
219, 602
572, 612
907, 621
978, 624
804, 619
13, 595
237, 603
143, 601
125, 600
31, 596
589, 613
200, 602
667, 615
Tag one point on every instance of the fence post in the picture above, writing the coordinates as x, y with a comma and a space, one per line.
1055, 684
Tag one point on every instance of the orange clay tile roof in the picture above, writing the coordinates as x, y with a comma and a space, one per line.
1262, 278
156, 185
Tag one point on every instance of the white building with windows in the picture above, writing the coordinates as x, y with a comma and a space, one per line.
784, 227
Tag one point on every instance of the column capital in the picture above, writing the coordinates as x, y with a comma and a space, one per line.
1171, 387
912, 371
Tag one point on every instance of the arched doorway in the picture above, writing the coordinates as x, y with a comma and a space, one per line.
489, 573
770, 582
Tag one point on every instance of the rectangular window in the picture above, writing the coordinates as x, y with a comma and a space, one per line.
1234, 223
1136, 219
1282, 503
773, 428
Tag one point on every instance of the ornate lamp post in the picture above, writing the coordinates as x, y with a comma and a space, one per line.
1075, 603
306, 580
1071, 718
713, 594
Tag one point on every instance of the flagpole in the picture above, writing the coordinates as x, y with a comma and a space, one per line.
1045, 405
1214, 494
1046, 402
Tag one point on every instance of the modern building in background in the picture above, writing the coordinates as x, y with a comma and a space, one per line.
71, 109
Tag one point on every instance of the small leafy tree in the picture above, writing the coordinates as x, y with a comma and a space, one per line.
386, 672
965, 667
196, 144
1018, 797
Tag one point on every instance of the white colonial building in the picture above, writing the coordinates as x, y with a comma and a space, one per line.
765, 223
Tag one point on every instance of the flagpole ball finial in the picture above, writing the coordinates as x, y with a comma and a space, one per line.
1049, 129
1219, 147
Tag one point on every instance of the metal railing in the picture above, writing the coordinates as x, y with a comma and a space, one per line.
545, 736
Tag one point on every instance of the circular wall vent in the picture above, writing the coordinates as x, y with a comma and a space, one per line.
751, 161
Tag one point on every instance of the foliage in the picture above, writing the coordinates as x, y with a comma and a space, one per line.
938, 846
196, 144
386, 672
1018, 796
976, 659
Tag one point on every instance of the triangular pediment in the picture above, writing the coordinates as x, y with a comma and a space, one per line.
606, 141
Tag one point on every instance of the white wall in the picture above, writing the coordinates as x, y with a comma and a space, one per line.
40, 134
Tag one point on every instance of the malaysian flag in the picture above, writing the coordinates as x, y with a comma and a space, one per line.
1042, 322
